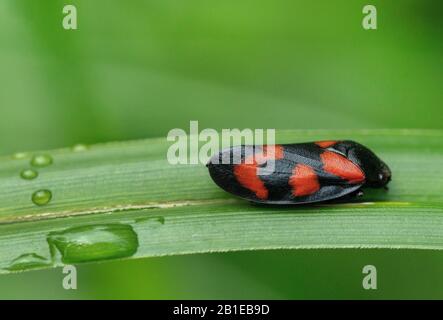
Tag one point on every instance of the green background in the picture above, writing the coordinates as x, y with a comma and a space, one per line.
137, 69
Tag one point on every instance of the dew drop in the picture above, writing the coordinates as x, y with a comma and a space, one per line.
79, 148
41, 160
29, 174
28, 261
20, 155
93, 243
41, 197
155, 220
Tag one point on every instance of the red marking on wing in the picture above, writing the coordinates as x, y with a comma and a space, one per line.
246, 173
304, 181
325, 144
342, 167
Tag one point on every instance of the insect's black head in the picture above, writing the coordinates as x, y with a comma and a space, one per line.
377, 172
380, 177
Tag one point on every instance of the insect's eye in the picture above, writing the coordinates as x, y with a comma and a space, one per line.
380, 177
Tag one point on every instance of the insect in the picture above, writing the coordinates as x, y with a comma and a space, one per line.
298, 173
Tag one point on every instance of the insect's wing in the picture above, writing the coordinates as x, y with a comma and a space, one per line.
308, 173
224, 170
325, 193
296, 173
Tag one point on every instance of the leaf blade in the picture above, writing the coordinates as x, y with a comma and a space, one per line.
132, 182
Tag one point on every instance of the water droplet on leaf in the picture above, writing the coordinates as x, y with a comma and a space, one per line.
41, 197
41, 160
93, 243
156, 220
28, 261
20, 155
29, 174
79, 148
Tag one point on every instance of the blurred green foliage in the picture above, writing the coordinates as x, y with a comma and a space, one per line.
137, 69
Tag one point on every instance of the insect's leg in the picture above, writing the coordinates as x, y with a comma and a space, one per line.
357, 193
349, 197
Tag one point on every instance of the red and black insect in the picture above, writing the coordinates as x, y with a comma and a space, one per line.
298, 173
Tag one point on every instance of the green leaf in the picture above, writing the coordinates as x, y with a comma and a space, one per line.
124, 200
